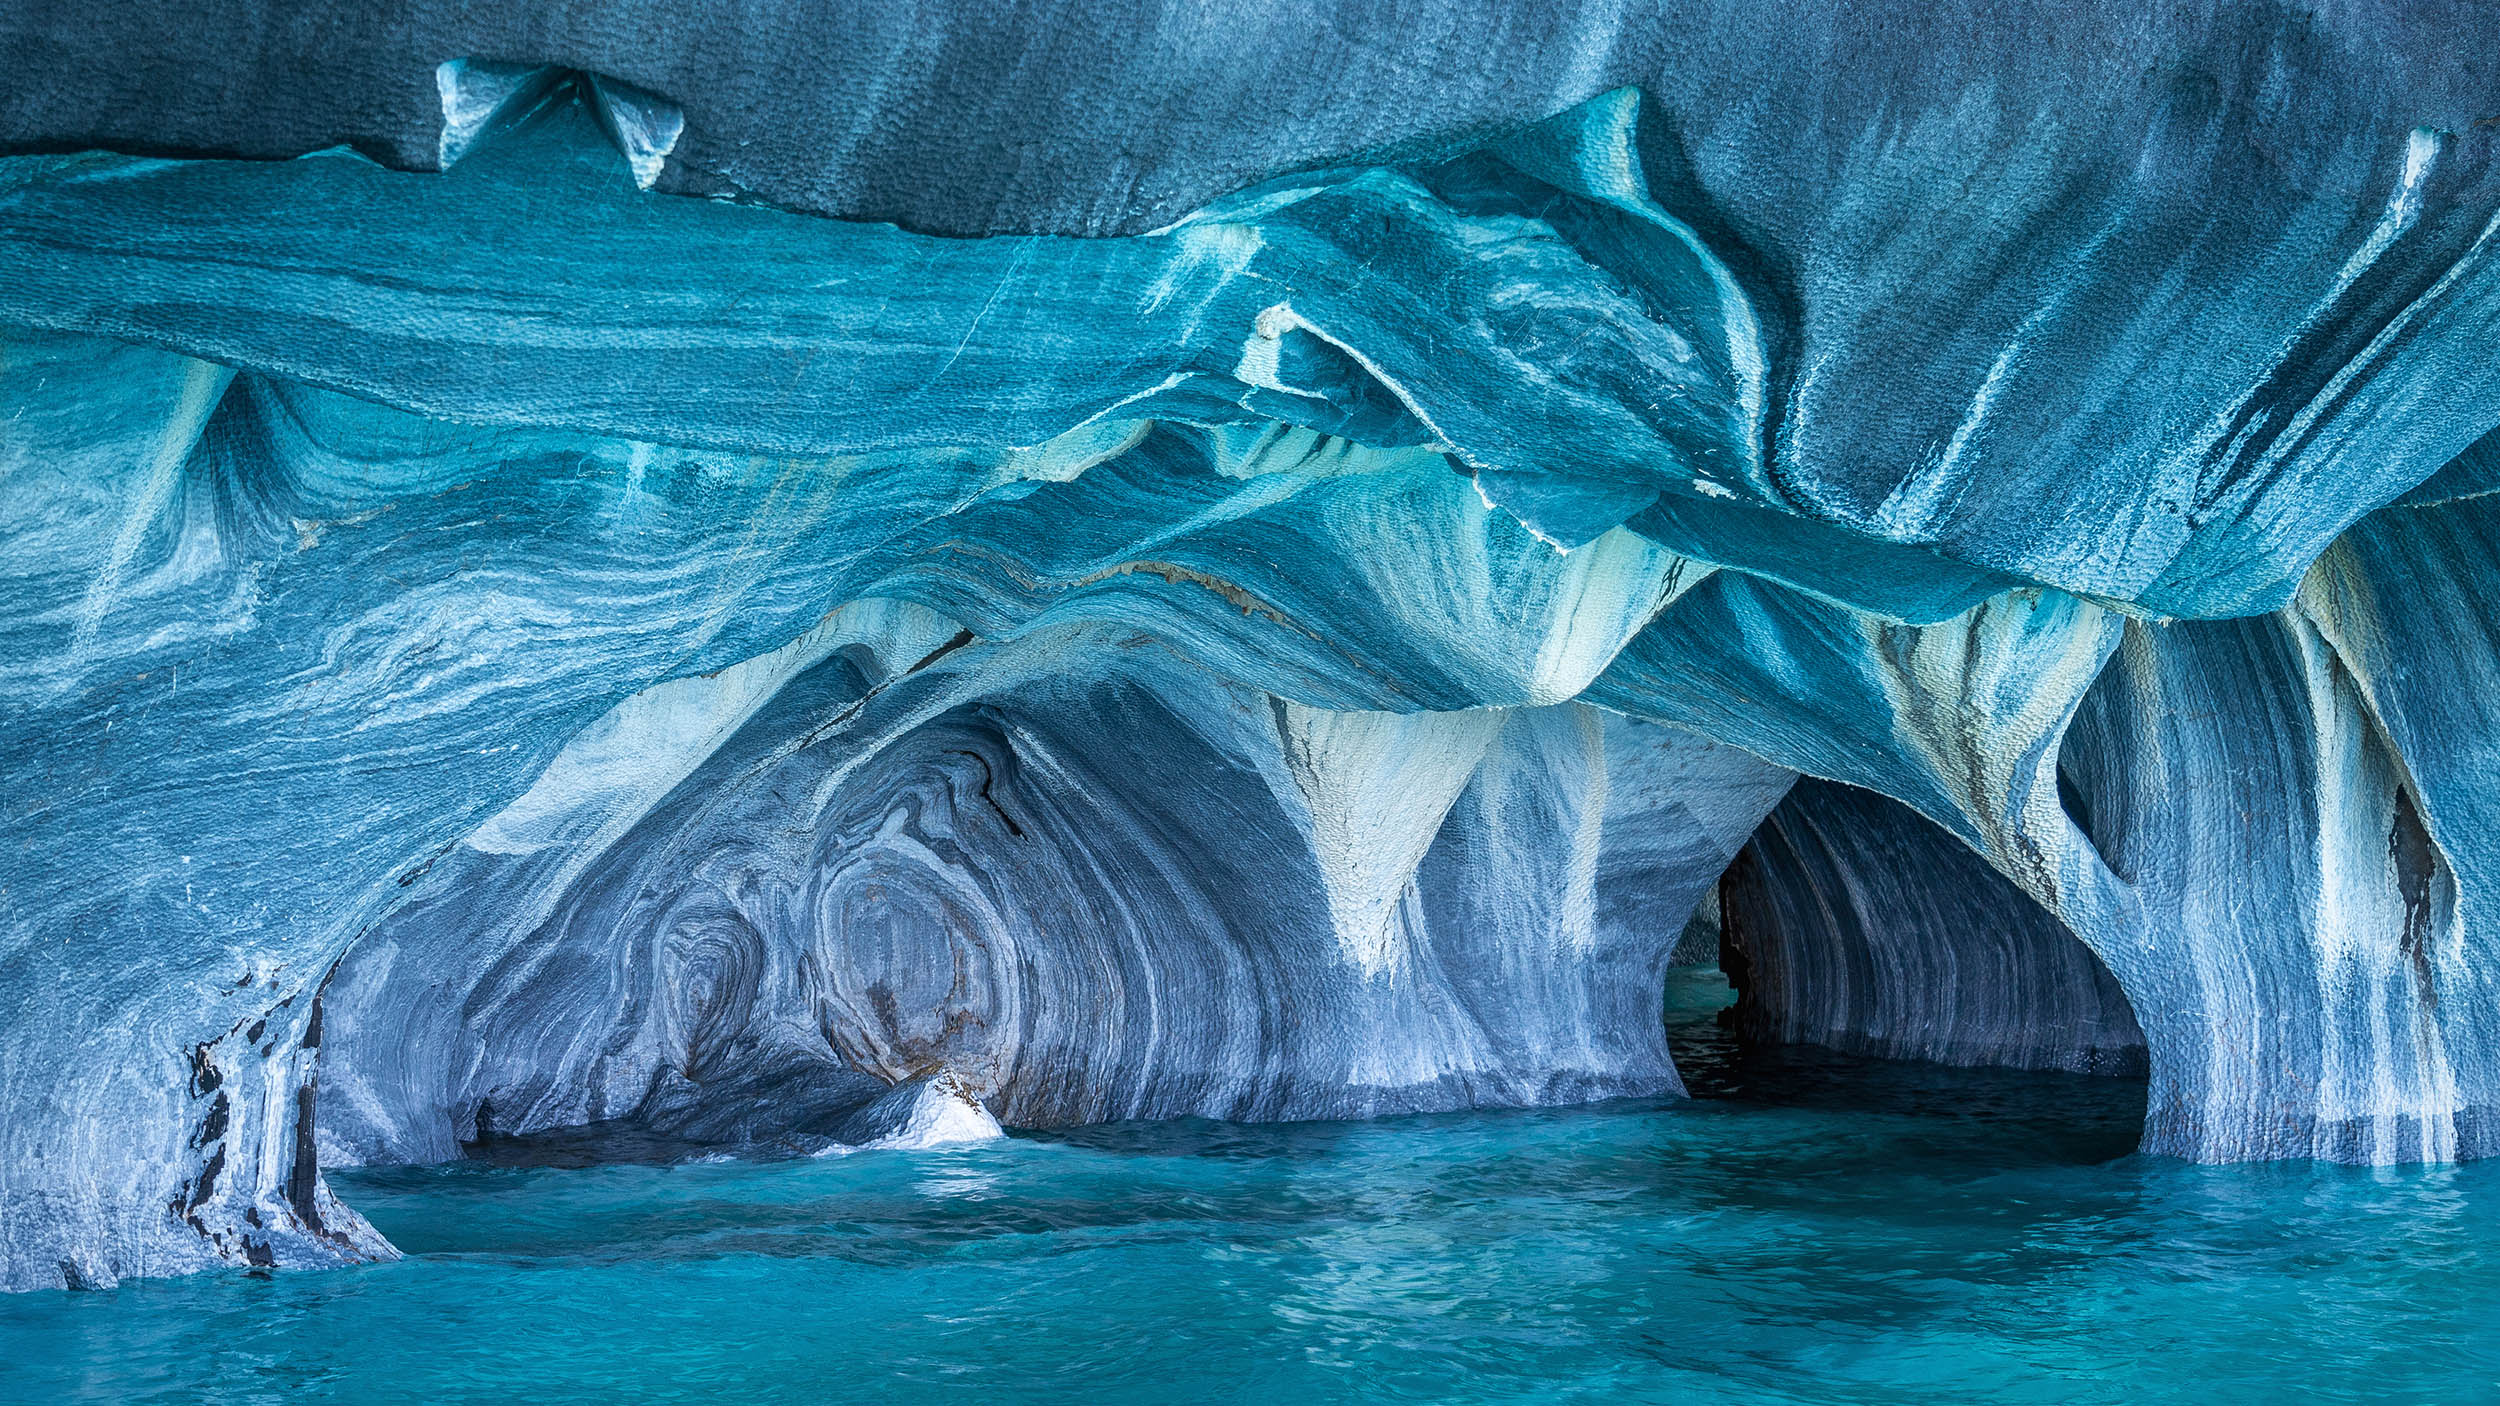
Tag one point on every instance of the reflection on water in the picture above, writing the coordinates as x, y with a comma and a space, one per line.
1817, 1230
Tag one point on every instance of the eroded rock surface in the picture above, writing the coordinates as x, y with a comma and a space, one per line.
1286, 624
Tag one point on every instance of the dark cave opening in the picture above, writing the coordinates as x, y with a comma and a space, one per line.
1855, 955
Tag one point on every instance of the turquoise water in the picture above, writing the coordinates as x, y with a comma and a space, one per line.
1819, 1230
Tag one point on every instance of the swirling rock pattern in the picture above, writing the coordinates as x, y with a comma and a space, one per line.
975, 868
1284, 625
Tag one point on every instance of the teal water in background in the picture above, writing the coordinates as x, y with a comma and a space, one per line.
1813, 1230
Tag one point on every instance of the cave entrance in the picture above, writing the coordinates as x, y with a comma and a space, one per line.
1856, 954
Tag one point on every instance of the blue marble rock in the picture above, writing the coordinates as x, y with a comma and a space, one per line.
556, 588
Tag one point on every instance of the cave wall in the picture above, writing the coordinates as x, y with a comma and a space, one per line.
537, 637
2262, 873
977, 867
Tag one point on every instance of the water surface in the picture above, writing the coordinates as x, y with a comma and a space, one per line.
1817, 1230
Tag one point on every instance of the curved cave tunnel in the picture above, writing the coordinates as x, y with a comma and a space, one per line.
1857, 956
903, 885
1850, 921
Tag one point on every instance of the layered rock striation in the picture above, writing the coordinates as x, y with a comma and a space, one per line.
1286, 624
